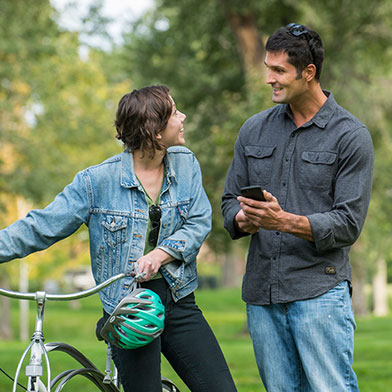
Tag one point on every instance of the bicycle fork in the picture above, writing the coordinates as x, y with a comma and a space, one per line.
34, 369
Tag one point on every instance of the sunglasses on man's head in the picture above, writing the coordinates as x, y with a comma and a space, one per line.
297, 30
154, 214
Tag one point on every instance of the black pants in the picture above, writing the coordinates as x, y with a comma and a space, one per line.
187, 342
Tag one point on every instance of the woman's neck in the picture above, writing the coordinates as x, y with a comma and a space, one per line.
149, 171
142, 160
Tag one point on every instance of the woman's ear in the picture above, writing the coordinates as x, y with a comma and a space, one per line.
158, 136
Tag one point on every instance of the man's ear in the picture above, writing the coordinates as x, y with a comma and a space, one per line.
309, 72
158, 136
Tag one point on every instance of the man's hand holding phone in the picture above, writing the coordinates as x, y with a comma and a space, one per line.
253, 192
243, 223
268, 215
262, 210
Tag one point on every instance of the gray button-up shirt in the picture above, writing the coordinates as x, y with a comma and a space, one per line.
321, 170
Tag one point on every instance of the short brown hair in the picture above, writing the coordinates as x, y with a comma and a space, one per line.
141, 115
302, 49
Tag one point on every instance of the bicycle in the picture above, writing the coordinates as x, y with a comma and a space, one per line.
105, 382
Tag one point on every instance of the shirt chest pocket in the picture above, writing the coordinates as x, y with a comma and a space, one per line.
260, 163
177, 215
317, 169
114, 229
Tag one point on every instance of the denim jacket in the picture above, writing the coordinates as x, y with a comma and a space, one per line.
109, 199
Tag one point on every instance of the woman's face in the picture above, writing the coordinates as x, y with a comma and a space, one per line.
173, 134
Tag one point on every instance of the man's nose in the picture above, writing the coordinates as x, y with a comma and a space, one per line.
269, 78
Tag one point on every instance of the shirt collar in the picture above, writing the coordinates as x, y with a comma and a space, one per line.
322, 117
170, 172
128, 177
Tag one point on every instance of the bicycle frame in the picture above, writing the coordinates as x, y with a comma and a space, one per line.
34, 370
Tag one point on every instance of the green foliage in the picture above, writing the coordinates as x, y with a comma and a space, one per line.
22, 44
74, 128
57, 108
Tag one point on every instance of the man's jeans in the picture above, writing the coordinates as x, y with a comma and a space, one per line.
306, 345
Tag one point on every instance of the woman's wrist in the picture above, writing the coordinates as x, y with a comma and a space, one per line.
161, 256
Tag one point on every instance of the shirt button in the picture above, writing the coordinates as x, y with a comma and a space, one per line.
277, 233
284, 184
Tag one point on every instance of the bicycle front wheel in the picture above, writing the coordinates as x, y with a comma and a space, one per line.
93, 375
88, 370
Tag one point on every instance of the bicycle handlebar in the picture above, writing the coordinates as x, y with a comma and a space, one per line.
67, 297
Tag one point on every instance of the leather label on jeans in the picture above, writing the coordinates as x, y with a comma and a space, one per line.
330, 270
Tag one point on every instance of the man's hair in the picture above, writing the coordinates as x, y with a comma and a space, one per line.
141, 115
302, 45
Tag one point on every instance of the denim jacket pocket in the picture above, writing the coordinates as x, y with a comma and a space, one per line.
183, 208
175, 214
115, 229
317, 169
260, 160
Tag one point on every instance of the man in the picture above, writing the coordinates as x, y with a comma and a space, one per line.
314, 162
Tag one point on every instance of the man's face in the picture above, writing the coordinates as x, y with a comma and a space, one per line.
283, 78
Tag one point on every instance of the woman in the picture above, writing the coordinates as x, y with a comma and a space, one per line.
146, 211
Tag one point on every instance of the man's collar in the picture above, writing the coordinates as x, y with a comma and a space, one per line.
322, 117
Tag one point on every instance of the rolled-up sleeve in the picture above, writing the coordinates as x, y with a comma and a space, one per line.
342, 226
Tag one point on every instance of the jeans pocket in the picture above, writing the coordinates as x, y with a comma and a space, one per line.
336, 294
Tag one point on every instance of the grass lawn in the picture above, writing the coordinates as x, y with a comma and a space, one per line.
225, 312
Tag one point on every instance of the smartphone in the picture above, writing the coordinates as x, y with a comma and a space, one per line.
253, 192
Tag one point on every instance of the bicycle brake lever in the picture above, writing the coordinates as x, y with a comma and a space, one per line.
140, 275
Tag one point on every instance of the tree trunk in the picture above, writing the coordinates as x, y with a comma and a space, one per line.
249, 43
359, 295
233, 266
380, 292
24, 305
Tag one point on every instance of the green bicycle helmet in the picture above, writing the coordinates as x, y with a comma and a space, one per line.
136, 321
